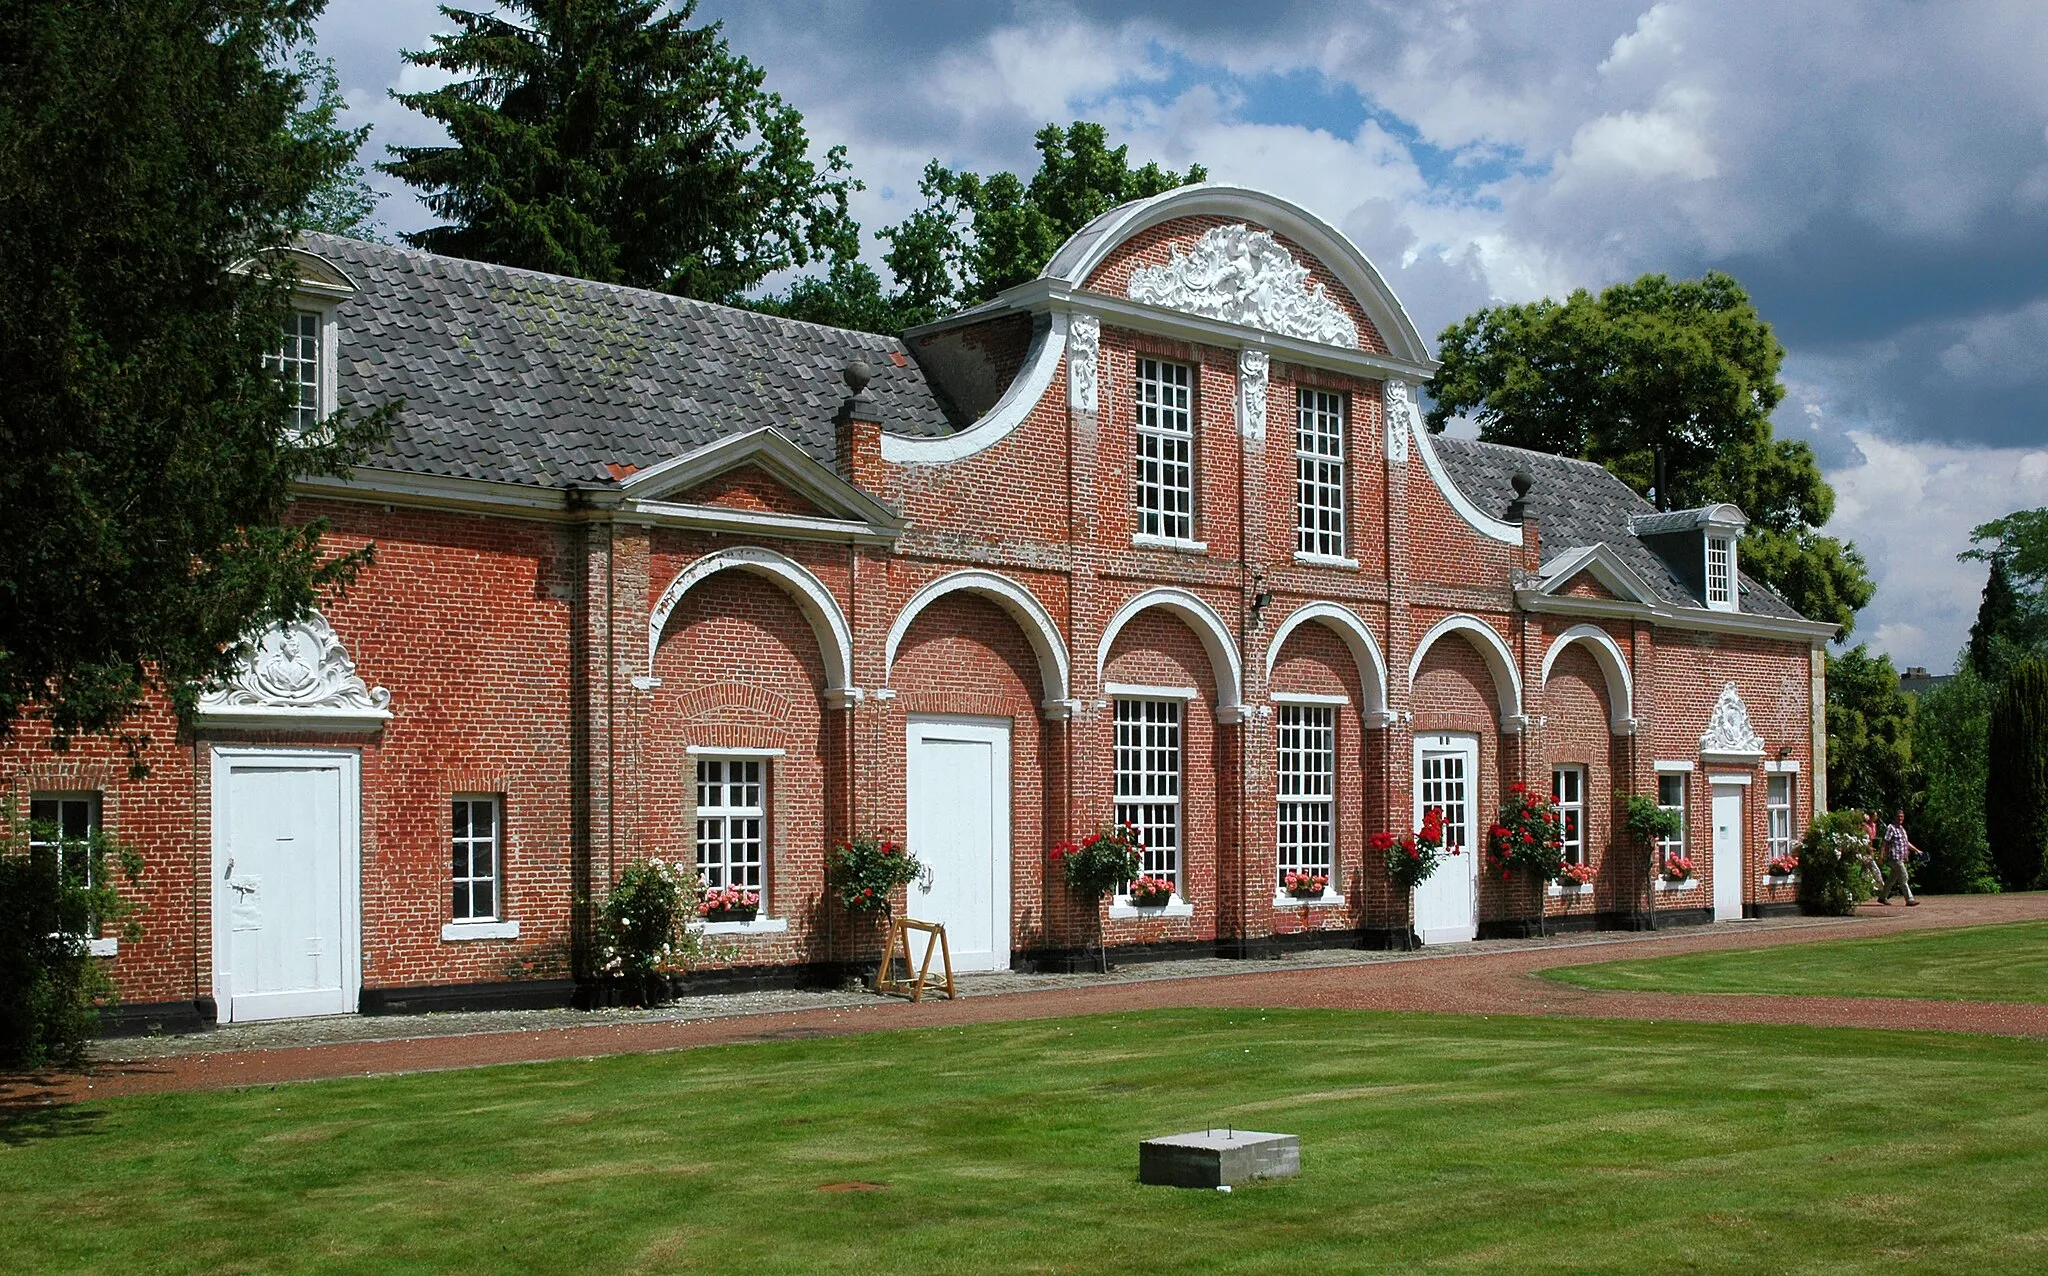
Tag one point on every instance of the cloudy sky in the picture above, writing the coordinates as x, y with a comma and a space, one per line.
1876, 174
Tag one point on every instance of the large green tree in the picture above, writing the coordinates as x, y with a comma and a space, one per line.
1870, 733
1670, 385
976, 235
612, 140
2016, 778
146, 152
344, 202
2012, 619
1950, 757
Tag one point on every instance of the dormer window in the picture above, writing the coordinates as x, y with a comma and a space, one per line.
1721, 573
298, 363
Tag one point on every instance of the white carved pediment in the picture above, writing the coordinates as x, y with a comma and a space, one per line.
1729, 736
296, 674
1242, 275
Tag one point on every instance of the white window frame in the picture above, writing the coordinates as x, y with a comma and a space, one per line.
463, 840
1305, 795
1163, 452
1571, 811
1321, 420
1150, 740
92, 802
1720, 569
1780, 817
1674, 846
739, 860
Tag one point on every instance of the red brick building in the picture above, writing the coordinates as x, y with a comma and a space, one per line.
1157, 536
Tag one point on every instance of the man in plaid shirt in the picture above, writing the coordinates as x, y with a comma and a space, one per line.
1898, 848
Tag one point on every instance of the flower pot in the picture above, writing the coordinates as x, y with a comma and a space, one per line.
732, 914
1315, 894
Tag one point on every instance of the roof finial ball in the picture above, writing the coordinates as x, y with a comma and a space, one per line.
857, 375
1518, 508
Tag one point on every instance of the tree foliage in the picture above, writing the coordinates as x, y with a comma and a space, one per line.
2016, 778
611, 140
52, 989
977, 235
1870, 733
343, 203
1950, 756
2012, 619
145, 152
1670, 385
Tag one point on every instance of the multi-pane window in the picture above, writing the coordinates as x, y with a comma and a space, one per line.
1778, 804
297, 362
64, 823
1443, 789
1165, 486
1319, 474
1148, 781
1671, 796
730, 821
1568, 791
476, 839
1308, 791
1720, 571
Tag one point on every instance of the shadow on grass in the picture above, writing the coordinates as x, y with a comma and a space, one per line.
29, 1121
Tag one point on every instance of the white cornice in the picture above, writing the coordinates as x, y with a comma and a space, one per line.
1814, 631
396, 487
720, 518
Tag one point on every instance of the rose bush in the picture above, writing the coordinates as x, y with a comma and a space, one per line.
1526, 837
866, 869
1412, 857
1101, 861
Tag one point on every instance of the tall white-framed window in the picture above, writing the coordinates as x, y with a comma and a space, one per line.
732, 821
1721, 572
1319, 474
1568, 792
1778, 809
1307, 790
1164, 489
298, 363
477, 834
1671, 796
63, 824
1148, 757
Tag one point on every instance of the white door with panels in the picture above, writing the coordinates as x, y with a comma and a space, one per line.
1727, 852
1447, 778
958, 781
287, 863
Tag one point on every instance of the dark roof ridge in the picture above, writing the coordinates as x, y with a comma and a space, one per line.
653, 294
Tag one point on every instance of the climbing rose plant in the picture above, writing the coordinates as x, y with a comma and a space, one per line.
1526, 837
1101, 861
867, 868
1412, 857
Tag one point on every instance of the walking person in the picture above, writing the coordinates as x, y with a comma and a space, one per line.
1866, 861
1898, 849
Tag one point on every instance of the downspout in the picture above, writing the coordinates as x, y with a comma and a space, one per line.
611, 703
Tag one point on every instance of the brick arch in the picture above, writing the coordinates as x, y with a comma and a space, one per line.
1224, 663
1500, 662
1365, 652
1613, 668
820, 609
1022, 606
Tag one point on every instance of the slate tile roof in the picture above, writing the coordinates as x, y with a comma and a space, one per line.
1576, 504
521, 377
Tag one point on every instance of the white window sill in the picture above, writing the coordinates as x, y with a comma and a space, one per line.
108, 947
1576, 888
1685, 885
1173, 544
1122, 909
1328, 899
1773, 879
1307, 559
456, 932
759, 926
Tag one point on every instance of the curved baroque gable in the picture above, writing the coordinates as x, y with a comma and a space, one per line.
1240, 274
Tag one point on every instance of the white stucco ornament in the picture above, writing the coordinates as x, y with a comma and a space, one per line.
1242, 275
297, 672
1398, 407
1253, 367
1729, 735
1084, 340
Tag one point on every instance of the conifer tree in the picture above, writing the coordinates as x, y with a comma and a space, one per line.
2016, 780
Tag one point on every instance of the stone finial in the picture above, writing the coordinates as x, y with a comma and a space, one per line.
859, 405
857, 374
1518, 508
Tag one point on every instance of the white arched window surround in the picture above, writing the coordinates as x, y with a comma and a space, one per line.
1023, 607
1613, 665
1365, 652
828, 622
1224, 662
1500, 662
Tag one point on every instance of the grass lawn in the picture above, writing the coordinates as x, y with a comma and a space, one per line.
1428, 1142
1977, 963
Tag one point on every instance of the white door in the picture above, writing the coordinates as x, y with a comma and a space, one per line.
1727, 852
286, 899
959, 825
1446, 777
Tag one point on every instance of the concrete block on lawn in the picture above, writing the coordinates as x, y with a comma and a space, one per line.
1218, 1158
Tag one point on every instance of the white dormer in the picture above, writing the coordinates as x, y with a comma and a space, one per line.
306, 353
1699, 544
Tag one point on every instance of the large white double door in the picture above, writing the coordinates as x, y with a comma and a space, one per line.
1447, 779
287, 908
958, 781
